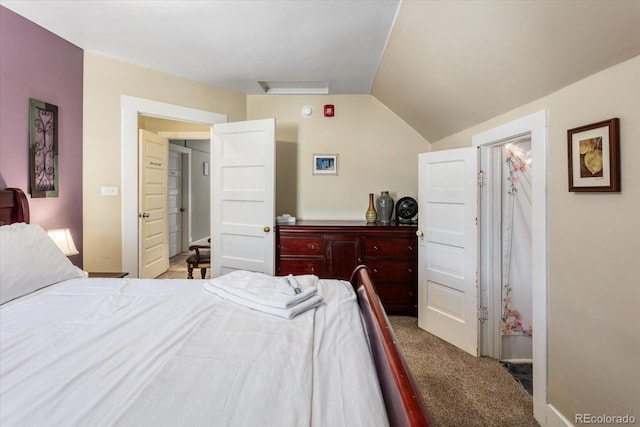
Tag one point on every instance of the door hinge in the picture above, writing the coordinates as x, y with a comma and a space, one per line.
483, 314
481, 179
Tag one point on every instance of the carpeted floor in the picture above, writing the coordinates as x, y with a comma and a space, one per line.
459, 389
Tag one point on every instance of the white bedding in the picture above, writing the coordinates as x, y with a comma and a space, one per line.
135, 352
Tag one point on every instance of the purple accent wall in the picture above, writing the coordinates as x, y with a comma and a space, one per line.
35, 63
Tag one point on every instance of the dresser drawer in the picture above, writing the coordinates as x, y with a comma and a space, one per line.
396, 293
396, 271
303, 246
301, 266
390, 247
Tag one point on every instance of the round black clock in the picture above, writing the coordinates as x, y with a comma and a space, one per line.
406, 209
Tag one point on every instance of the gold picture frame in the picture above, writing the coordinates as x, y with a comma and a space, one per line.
594, 157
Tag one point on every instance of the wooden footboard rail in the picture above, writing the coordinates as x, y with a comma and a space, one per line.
403, 400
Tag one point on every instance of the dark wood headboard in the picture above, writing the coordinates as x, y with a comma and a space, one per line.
14, 206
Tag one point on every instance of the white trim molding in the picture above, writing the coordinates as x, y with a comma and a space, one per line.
555, 418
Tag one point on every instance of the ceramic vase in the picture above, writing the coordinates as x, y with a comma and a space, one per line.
371, 215
384, 206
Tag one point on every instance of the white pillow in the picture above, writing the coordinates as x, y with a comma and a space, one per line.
30, 260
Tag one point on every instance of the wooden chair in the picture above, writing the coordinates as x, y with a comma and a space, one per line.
201, 259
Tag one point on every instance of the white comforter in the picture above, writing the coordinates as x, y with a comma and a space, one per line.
100, 352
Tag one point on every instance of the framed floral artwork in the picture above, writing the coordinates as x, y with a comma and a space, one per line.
594, 157
43, 148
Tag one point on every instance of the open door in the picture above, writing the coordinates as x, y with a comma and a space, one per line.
154, 228
243, 208
448, 246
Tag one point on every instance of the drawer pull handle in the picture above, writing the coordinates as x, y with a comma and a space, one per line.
375, 270
375, 248
313, 269
411, 248
410, 270
312, 247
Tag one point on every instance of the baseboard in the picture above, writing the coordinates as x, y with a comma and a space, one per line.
555, 418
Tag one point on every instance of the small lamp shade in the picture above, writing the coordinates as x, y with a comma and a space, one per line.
62, 238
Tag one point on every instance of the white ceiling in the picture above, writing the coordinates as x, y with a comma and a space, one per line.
231, 44
442, 66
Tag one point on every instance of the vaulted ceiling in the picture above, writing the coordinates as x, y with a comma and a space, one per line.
441, 66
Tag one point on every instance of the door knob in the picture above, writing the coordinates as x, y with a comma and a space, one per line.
419, 233
144, 215
266, 229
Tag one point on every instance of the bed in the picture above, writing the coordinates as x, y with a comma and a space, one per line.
104, 351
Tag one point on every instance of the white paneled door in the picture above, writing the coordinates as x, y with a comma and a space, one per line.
448, 246
243, 183
154, 230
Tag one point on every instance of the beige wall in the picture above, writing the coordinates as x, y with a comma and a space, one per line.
593, 250
105, 81
376, 151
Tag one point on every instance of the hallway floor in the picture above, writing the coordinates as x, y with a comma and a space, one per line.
178, 268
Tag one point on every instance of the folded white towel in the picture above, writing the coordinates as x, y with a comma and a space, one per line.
262, 289
285, 313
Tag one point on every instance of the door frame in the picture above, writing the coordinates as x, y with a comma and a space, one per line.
534, 125
131, 107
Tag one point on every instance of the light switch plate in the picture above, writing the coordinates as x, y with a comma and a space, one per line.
109, 191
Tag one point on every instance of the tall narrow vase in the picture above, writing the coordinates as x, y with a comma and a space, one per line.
384, 205
371, 215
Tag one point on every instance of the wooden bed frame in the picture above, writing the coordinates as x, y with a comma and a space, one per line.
14, 206
403, 400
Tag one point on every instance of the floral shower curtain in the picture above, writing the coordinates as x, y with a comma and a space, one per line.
516, 241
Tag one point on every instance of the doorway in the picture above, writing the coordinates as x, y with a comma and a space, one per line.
131, 108
198, 177
533, 128
187, 199
507, 259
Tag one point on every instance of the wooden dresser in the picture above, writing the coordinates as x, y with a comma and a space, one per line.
332, 249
